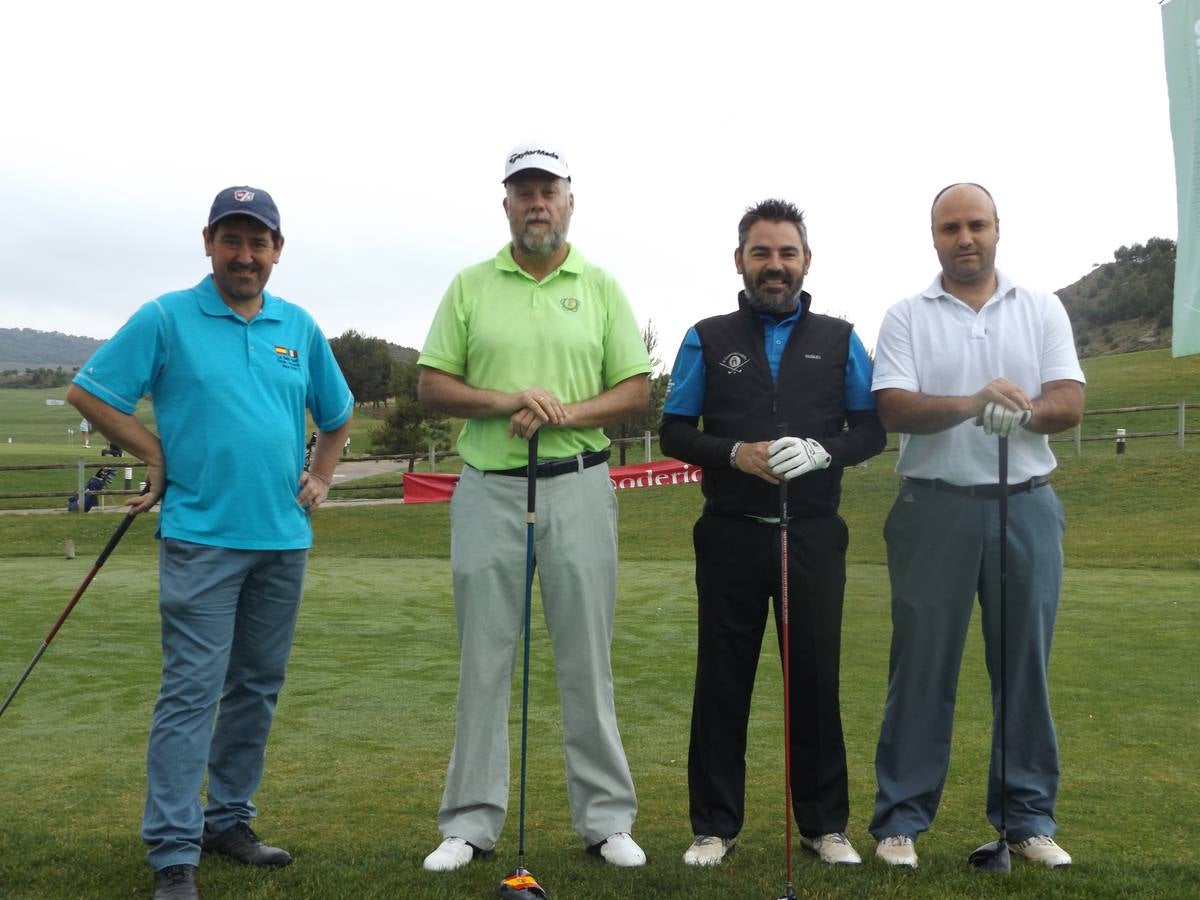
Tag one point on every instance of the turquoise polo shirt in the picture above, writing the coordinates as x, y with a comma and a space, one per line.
572, 333
229, 402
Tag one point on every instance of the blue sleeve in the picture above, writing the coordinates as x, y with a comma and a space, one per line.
122, 370
329, 398
858, 376
685, 394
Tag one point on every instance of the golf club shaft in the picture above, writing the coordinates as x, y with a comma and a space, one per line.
1003, 637
100, 560
530, 522
787, 673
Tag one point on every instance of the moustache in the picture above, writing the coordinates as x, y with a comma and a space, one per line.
774, 274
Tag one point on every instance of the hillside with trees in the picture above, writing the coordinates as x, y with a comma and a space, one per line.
1126, 304
25, 347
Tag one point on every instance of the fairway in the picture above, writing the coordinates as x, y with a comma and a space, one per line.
366, 722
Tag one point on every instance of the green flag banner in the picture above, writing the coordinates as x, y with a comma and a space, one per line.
1181, 41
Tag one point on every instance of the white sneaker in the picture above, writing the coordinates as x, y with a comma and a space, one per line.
707, 850
834, 849
621, 850
452, 853
897, 850
1041, 848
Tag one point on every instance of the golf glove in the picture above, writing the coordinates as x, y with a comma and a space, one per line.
1001, 421
793, 456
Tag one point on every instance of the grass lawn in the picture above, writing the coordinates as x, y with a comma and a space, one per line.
365, 725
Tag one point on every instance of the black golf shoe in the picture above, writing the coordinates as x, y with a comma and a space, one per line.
176, 883
241, 844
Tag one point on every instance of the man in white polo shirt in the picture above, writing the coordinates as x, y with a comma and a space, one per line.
970, 358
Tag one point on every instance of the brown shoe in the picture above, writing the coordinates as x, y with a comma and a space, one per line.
241, 844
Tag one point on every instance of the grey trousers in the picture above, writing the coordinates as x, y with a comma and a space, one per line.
943, 549
576, 552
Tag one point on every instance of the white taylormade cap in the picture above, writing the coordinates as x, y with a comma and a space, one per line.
536, 155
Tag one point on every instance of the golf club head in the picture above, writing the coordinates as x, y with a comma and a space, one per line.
789, 894
520, 885
992, 857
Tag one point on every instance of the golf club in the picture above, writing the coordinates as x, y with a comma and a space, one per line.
519, 884
994, 855
789, 892
100, 560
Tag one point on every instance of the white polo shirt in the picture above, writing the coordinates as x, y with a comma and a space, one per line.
934, 343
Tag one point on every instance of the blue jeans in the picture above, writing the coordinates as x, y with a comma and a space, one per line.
227, 622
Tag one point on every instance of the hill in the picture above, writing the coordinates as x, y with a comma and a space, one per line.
22, 348
402, 354
1126, 304
25, 347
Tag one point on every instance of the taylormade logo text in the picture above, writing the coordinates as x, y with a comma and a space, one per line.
516, 156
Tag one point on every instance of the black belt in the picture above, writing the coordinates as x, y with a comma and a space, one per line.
986, 491
552, 467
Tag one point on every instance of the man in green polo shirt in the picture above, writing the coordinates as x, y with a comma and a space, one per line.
535, 340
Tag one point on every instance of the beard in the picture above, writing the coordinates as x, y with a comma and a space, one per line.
542, 243
766, 302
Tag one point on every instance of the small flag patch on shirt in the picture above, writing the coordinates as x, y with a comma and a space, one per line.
288, 358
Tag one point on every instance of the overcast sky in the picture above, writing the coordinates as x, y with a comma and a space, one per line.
381, 131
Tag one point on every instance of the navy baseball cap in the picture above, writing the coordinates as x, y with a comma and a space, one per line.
245, 201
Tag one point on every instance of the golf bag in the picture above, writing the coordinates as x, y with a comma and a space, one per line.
96, 483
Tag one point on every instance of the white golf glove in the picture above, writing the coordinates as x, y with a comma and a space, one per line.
1001, 421
793, 456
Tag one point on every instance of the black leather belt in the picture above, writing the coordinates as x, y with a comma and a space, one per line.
984, 491
552, 467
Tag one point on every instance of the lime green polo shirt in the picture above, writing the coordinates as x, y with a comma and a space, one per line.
572, 333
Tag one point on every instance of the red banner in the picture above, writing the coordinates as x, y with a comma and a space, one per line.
437, 488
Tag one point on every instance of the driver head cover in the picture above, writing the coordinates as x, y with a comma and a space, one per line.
520, 885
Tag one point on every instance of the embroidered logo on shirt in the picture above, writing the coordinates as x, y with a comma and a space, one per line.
570, 304
288, 358
812, 356
734, 362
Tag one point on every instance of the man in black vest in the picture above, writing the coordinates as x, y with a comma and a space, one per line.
776, 386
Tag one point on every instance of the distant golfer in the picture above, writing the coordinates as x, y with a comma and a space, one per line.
232, 370
85, 431
536, 338
773, 364
971, 357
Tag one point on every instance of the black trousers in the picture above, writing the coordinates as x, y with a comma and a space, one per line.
737, 572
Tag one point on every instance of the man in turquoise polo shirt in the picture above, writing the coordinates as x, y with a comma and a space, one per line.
231, 370
535, 340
